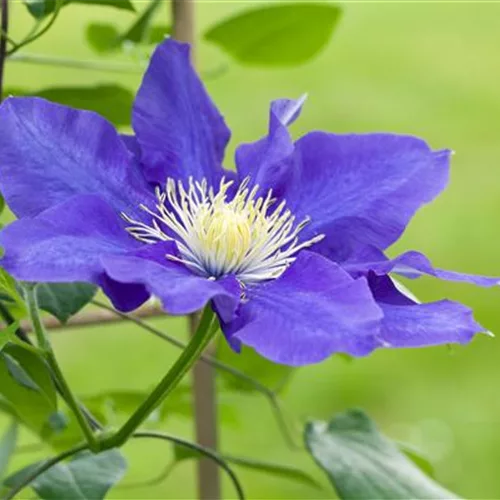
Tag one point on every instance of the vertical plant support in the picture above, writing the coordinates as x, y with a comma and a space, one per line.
4, 25
204, 390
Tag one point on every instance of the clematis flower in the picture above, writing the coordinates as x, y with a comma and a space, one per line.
288, 250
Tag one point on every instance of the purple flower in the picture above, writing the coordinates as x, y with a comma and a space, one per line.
288, 250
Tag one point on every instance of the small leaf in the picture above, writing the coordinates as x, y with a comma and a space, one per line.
87, 477
269, 374
277, 35
362, 464
9, 295
7, 335
7, 447
102, 37
139, 29
64, 300
41, 8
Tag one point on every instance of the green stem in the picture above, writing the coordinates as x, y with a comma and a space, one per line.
202, 337
46, 347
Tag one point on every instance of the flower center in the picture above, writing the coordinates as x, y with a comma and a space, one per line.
216, 234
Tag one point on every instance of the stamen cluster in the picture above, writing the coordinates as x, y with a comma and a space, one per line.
218, 234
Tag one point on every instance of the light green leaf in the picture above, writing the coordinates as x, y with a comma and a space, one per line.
102, 37
41, 8
277, 35
362, 464
26, 384
64, 300
158, 33
269, 374
87, 477
10, 297
7, 447
7, 335
422, 462
112, 101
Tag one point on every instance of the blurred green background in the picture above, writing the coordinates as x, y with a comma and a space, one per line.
430, 69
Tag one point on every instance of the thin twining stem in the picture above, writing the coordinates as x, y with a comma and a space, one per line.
46, 347
200, 449
206, 358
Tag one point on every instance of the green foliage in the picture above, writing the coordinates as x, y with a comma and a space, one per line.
10, 296
105, 37
276, 35
271, 375
112, 101
86, 477
26, 384
363, 464
7, 447
41, 8
63, 300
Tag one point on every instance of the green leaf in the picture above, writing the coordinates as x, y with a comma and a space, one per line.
41, 8
362, 464
109, 100
64, 300
7, 447
7, 335
422, 462
102, 37
26, 384
140, 28
269, 374
9, 295
86, 477
277, 35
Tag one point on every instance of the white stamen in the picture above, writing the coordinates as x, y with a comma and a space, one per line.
216, 237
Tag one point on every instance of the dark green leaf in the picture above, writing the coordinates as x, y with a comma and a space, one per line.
19, 477
35, 401
41, 8
7, 447
269, 374
63, 300
2, 203
87, 477
362, 464
277, 35
102, 37
139, 29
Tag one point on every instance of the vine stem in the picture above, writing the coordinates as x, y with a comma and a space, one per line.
4, 34
204, 334
46, 347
